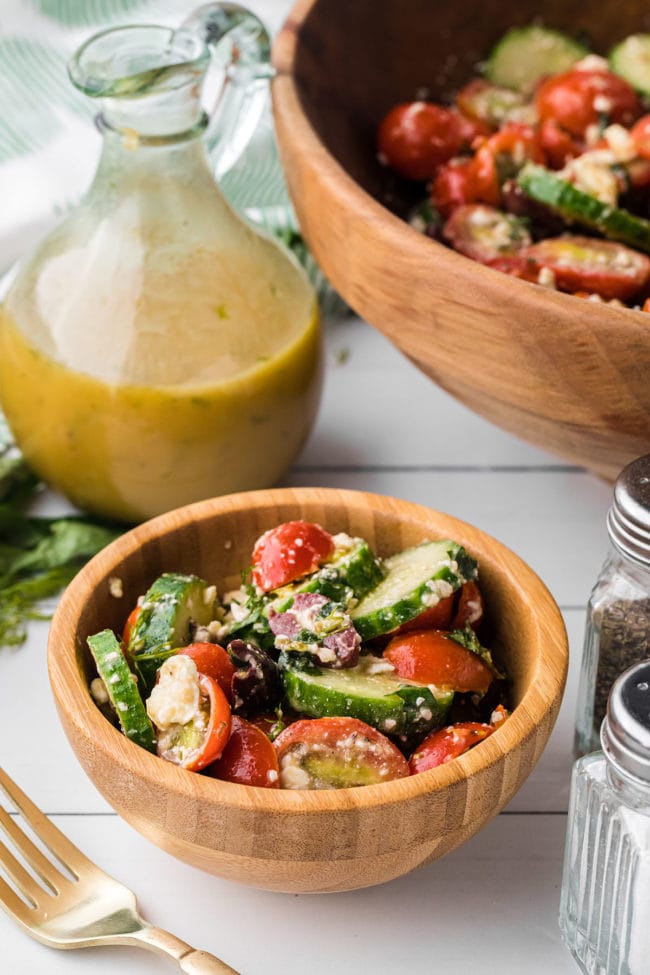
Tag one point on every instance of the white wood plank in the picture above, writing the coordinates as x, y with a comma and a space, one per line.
378, 408
495, 899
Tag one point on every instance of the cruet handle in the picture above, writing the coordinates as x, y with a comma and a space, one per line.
241, 47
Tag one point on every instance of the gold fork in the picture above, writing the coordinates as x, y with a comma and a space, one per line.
78, 906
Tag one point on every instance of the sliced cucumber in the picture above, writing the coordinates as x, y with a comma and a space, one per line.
575, 206
631, 60
122, 689
526, 54
169, 606
415, 580
396, 707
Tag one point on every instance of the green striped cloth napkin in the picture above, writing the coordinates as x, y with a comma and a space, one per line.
49, 146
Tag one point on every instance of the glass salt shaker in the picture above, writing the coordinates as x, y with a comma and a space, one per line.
606, 881
617, 632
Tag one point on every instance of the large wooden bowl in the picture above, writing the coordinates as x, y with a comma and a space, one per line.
306, 841
570, 376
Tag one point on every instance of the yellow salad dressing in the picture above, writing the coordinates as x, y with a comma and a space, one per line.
137, 399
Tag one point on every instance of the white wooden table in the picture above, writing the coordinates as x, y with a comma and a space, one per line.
383, 427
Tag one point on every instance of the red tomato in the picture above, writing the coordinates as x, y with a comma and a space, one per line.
431, 657
331, 753
437, 617
597, 266
213, 661
640, 135
416, 137
469, 609
576, 99
646, 305
558, 145
486, 176
194, 746
517, 141
454, 185
516, 265
447, 743
249, 758
130, 623
288, 552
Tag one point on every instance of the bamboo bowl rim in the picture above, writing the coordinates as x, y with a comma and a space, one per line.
543, 692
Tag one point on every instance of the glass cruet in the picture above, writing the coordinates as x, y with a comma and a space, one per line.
156, 349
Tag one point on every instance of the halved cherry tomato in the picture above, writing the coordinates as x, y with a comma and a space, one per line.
416, 137
576, 99
213, 661
130, 623
437, 617
488, 103
587, 264
431, 657
469, 609
197, 744
640, 135
249, 758
454, 185
288, 552
485, 233
336, 753
513, 144
558, 145
517, 266
485, 175
447, 743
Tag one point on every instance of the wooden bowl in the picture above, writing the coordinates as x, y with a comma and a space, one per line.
306, 841
567, 375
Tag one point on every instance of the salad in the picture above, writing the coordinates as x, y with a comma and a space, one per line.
539, 166
328, 668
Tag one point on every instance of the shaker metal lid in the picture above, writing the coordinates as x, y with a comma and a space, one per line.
625, 734
628, 520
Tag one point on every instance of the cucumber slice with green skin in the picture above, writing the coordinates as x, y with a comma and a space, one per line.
416, 579
575, 206
396, 707
122, 689
631, 61
169, 606
526, 54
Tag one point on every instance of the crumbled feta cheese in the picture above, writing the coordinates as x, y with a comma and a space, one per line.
271, 775
602, 104
592, 62
175, 698
293, 776
546, 278
592, 173
209, 595
620, 142
98, 691
115, 587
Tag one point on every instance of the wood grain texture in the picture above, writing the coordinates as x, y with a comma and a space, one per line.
306, 841
561, 373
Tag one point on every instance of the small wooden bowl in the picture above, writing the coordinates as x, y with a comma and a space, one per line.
562, 373
306, 841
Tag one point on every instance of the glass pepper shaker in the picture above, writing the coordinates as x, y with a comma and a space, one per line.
617, 632
606, 881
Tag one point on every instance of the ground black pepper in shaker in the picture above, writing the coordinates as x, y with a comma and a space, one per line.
617, 632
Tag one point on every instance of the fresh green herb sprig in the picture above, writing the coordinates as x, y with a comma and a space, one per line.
38, 556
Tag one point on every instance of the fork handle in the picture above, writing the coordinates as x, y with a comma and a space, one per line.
189, 960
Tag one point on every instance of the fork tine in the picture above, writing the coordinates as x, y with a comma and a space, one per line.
45, 869
23, 880
66, 852
12, 903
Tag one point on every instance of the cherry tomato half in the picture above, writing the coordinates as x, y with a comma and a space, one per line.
336, 753
431, 657
130, 623
437, 617
195, 745
587, 264
288, 552
558, 145
447, 743
640, 135
469, 608
454, 185
576, 99
249, 758
416, 137
213, 661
